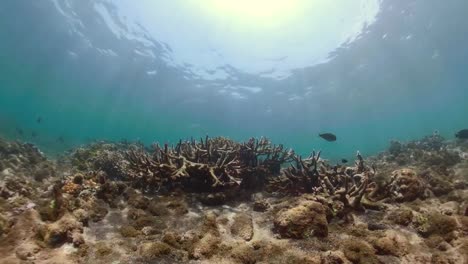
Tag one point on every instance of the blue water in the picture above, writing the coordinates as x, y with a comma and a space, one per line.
403, 77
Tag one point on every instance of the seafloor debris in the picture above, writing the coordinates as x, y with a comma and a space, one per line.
220, 201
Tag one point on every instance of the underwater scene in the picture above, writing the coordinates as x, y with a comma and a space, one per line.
233, 131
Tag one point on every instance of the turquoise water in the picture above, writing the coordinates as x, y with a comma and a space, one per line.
402, 78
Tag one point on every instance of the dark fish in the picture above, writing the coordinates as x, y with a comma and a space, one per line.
328, 136
19, 131
39, 120
34, 134
344, 161
462, 134
61, 140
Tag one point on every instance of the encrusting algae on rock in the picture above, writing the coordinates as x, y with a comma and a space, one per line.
307, 218
221, 201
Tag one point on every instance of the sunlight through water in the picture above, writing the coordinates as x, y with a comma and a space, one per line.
257, 13
266, 38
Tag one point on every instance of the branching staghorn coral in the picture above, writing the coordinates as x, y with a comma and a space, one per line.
355, 185
301, 178
220, 164
207, 165
313, 175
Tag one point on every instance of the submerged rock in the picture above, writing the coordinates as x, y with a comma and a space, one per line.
173, 239
306, 219
449, 208
358, 251
406, 185
261, 206
60, 232
3, 225
157, 209
205, 241
78, 178
152, 250
98, 210
206, 246
128, 231
392, 244
402, 216
155, 224
102, 249
136, 200
16, 185
150, 231
213, 199
243, 226
334, 257
435, 224
245, 254
27, 251
178, 207
82, 216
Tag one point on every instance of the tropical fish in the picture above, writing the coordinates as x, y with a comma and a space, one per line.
39, 120
344, 161
61, 140
462, 134
328, 136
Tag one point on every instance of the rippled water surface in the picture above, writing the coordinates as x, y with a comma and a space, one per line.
368, 71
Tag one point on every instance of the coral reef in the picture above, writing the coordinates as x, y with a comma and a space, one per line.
220, 201
210, 165
24, 159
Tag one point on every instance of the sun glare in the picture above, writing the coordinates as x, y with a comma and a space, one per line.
254, 12
267, 37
